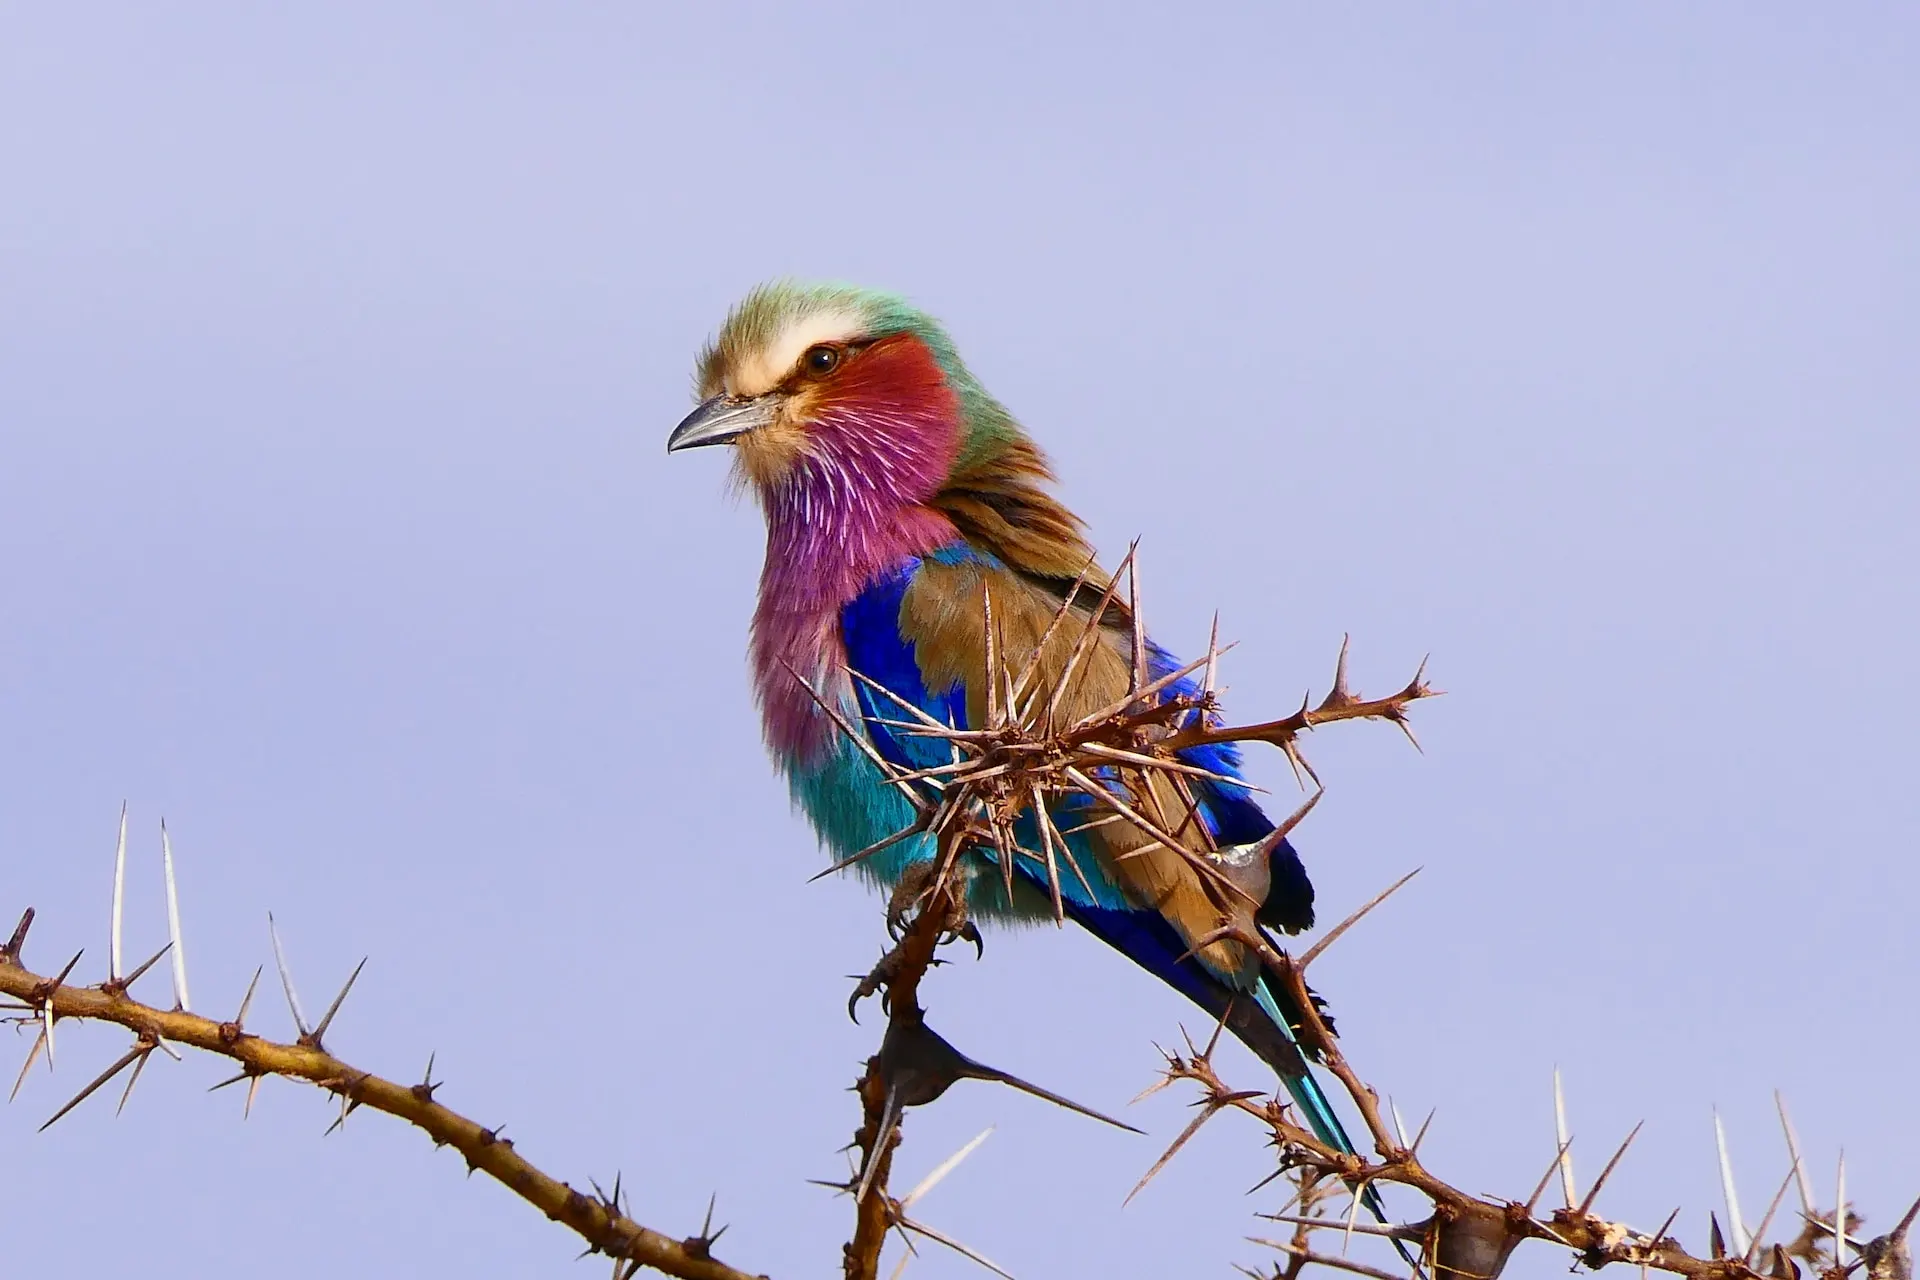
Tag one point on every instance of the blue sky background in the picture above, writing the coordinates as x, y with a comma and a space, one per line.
338, 348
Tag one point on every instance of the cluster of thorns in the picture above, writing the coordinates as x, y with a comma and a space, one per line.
1025, 758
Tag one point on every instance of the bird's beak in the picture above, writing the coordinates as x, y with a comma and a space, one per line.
720, 419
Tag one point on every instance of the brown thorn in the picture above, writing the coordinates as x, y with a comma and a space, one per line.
1067, 850
1213, 658
1339, 695
1092, 824
919, 828
326, 1019
1225, 933
1152, 1089
1594, 1192
233, 1079
858, 739
932, 773
1294, 819
1045, 822
246, 1001
1218, 1026
908, 1224
1546, 1177
919, 713
991, 691
1029, 673
1208, 1112
1899, 1231
1192, 821
1793, 1152
1009, 708
1119, 705
39, 1043
141, 970
61, 980
706, 1223
1137, 677
1297, 763
1208, 871
1334, 934
1005, 858
340, 1120
132, 1080
1089, 636
1421, 1136
1277, 1173
1754, 1248
1363, 1228
1048, 1095
139, 1050
1326, 1260
916, 729
10, 954
1167, 763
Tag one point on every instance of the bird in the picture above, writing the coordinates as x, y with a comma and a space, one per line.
899, 495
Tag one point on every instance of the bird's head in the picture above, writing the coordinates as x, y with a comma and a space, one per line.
832, 386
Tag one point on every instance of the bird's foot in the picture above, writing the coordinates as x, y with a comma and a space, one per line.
917, 892
878, 979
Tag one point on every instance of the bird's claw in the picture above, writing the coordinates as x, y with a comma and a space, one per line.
909, 899
878, 979
912, 895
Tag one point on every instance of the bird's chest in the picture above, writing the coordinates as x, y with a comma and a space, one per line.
817, 719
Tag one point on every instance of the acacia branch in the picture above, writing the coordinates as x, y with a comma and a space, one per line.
596, 1220
879, 1134
1470, 1238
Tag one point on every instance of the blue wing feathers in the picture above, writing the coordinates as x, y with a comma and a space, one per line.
876, 648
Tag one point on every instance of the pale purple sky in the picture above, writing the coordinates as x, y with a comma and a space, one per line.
337, 354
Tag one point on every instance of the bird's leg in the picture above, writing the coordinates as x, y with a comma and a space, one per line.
919, 892
916, 893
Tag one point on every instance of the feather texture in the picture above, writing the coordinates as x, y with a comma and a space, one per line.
899, 496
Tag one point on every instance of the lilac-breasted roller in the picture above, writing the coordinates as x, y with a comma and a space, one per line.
898, 494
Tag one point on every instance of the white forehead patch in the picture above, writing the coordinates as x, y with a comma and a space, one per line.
762, 369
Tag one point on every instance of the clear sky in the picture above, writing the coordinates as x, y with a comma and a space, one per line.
338, 348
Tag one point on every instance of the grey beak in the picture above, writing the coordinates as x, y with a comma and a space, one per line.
720, 419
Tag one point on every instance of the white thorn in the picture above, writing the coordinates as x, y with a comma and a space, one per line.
1741, 1239
1560, 1141
1839, 1205
119, 896
1399, 1126
173, 925
944, 1168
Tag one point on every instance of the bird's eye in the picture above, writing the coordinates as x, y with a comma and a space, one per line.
820, 361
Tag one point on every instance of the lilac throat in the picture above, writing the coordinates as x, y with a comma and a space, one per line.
848, 513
